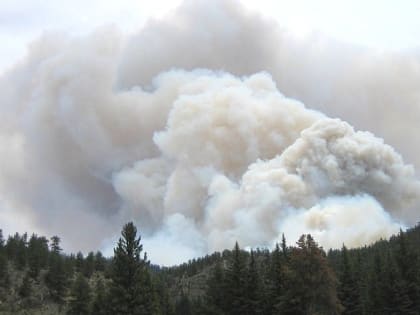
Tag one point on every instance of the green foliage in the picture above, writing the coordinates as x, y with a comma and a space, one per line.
37, 255
183, 306
215, 290
349, 291
131, 290
25, 289
4, 274
79, 302
100, 302
56, 279
89, 265
16, 250
236, 283
100, 262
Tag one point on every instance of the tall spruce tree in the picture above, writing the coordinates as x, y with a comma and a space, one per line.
276, 278
56, 279
253, 287
236, 283
131, 290
348, 290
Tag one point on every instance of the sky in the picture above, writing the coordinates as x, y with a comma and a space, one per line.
381, 25
206, 121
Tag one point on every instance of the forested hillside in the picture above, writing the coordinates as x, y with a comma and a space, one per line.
36, 277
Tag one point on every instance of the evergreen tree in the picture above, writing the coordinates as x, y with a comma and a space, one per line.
283, 246
396, 299
56, 277
183, 306
100, 261
4, 274
312, 283
79, 297
89, 265
37, 255
376, 298
25, 292
348, 289
276, 279
100, 305
253, 288
408, 263
166, 307
80, 261
131, 291
236, 283
16, 250
216, 288
1, 240
25, 288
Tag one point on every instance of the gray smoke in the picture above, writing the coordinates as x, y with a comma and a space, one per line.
182, 128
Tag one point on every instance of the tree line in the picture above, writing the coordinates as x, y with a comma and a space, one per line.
382, 278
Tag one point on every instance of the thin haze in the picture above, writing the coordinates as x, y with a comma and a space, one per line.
209, 125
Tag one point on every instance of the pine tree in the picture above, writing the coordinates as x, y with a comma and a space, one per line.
100, 304
376, 298
236, 283
1, 240
216, 290
89, 265
25, 288
408, 262
348, 289
312, 283
37, 255
4, 274
131, 291
183, 306
283, 246
80, 261
16, 250
396, 299
25, 291
56, 277
276, 280
165, 305
79, 297
100, 261
253, 287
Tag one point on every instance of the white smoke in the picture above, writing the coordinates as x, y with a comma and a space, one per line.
99, 130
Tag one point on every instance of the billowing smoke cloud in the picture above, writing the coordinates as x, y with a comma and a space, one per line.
184, 130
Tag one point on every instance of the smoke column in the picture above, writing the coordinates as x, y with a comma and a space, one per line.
197, 134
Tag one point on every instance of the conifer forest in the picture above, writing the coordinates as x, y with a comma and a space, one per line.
36, 277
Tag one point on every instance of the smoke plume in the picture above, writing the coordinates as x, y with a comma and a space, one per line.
193, 129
